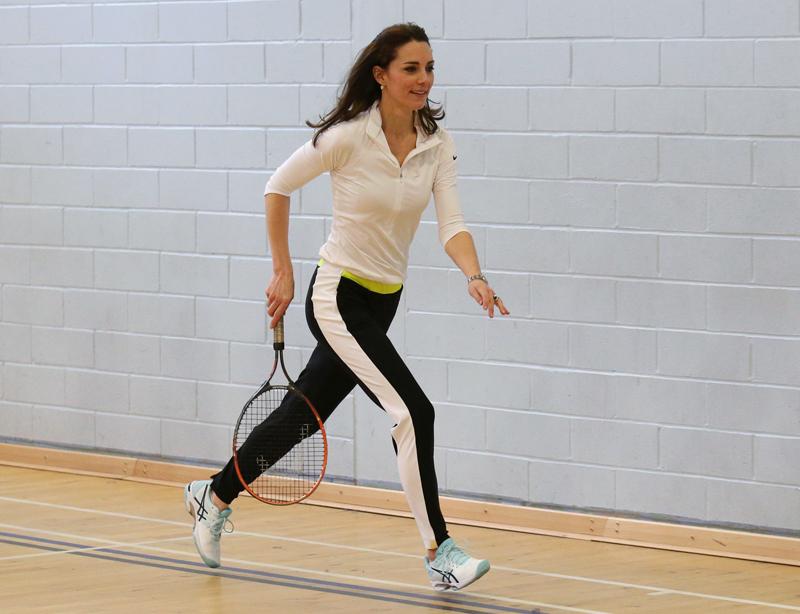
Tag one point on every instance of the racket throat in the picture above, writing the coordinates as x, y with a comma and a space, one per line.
274, 368
279, 357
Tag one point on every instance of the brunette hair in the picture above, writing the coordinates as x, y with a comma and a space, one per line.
360, 89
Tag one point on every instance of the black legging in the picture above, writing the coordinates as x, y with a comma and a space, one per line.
327, 379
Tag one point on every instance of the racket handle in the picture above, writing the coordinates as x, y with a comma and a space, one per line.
278, 340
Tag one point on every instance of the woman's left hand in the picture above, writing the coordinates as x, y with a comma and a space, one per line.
486, 298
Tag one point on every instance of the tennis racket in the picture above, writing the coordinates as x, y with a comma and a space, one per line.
280, 449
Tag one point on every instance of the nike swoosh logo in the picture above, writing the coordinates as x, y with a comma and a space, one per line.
454, 157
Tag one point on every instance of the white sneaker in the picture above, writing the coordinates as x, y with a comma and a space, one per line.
208, 520
453, 569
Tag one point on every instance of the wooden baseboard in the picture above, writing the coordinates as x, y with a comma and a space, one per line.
592, 527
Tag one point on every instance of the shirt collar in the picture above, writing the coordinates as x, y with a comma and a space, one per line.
375, 125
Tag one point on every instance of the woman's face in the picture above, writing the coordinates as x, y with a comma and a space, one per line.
409, 77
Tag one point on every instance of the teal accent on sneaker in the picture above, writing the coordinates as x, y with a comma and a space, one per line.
453, 569
209, 521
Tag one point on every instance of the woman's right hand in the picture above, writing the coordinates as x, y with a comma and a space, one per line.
280, 293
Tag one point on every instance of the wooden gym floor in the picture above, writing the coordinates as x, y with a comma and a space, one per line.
71, 543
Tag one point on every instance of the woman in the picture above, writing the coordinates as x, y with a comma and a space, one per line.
385, 154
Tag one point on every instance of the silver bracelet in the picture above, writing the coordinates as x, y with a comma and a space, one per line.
480, 276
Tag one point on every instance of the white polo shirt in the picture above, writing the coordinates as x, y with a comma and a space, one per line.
377, 204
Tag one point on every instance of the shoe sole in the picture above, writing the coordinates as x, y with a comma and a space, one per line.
187, 494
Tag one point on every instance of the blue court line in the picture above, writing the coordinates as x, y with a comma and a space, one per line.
442, 602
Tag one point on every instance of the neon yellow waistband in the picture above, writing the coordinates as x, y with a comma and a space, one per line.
369, 284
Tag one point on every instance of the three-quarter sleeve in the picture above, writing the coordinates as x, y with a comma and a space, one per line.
308, 162
445, 194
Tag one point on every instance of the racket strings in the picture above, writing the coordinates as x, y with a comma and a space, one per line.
280, 447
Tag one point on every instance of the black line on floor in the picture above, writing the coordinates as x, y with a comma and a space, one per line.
442, 602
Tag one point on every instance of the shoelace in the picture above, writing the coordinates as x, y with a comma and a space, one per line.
220, 524
454, 556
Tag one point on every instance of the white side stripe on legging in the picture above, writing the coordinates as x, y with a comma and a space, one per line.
333, 327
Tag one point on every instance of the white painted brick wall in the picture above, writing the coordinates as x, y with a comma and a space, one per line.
580, 109
125, 188
195, 358
83, 227
159, 64
16, 184
572, 485
777, 163
776, 361
770, 212
127, 353
220, 403
62, 267
33, 384
628, 169
31, 225
747, 19
161, 314
63, 24
61, 105
126, 270
662, 493
768, 259
775, 63
375, 460
669, 401
697, 451
661, 110
96, 390
766, 112
581, 299
645, 207
30, 64
615, 63
229, 63
754, 409
66, 426
62, 346
134, 434
751, 503
31, 305
155, 396
117, 104
192, 189
134, 23
661, 304
189, 106
707, 63
527, 434
17, 420
14, 24
572, 203
527, 63
96, 309
611, 157
232, 320
570, 392
60, 186
466, 473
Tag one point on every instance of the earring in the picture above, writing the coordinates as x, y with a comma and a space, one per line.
381, 86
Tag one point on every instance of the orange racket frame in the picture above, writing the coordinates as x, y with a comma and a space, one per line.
278, 345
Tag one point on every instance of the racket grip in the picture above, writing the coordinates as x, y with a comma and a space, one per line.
278, 340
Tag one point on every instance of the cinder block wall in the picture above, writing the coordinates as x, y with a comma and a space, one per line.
630, 170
